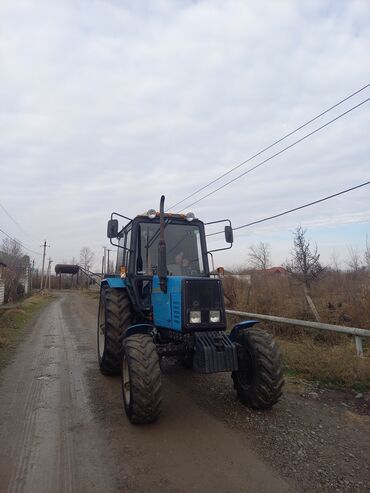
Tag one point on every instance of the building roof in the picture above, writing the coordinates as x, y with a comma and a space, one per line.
277, 270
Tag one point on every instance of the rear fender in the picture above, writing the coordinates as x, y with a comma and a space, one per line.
246, 324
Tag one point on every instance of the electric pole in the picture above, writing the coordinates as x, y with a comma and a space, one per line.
32, 271
43, 263
49, 273
108, 269
103, 262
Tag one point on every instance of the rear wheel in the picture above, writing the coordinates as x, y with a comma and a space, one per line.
114, 318
259, 380
141, 379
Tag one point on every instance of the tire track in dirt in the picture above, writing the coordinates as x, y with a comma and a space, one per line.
62, 426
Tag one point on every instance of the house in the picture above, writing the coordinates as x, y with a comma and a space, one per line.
246, 278
16, 271
280, 271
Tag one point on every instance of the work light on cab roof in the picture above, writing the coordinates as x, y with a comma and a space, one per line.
152, 214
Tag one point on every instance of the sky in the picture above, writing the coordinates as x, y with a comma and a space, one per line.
106, 105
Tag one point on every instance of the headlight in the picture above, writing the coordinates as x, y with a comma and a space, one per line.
151, 213
195, 317
214, 316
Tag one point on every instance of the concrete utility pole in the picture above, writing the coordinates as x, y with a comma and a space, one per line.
43, 263
103, 262
108, 268
49, 273
32, 269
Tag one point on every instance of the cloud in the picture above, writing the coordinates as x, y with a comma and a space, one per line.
105, 105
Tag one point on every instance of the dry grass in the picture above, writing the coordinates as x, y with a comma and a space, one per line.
363, 421
14, 321
333, 365
89, 293
325, 357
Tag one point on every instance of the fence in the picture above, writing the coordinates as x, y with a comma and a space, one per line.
354, 331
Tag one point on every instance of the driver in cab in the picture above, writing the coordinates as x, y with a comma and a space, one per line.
181, 267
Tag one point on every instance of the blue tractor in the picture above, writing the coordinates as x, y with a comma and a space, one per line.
163, 302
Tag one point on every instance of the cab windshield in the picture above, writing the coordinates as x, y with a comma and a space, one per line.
184, 252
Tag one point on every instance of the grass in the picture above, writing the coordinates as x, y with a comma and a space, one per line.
326, 358
90, 293
327, 365
14, 323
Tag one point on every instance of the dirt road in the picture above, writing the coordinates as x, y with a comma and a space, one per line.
62, 427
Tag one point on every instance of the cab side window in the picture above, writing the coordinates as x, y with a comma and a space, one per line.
128, 246
120, 254
123, 255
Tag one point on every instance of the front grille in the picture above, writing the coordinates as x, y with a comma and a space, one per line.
176, 311
203, 295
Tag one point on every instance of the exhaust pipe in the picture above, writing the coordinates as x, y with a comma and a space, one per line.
162, 257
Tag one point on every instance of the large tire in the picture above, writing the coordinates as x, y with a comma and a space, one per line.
259, 380
141, 379
115, 316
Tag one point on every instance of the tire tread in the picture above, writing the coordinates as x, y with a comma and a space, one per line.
118, 316
266, 387
145, 376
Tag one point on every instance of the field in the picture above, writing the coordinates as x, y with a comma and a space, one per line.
13, 322
326, 358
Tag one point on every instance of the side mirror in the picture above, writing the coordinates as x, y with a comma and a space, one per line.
112, 228
229, 236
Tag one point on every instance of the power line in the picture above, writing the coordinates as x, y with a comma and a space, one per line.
12, 219
19, 242
271, 145
276, 154
296, 208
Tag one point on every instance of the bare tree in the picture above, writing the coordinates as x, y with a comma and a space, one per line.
86, 257
305, 265
354, 259
335, 261
16, 265
260, 256
367, 254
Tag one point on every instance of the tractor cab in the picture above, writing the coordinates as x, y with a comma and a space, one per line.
139, 241
162, 258
186, 254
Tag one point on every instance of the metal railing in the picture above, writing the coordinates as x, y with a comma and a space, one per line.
91, 275
355, 331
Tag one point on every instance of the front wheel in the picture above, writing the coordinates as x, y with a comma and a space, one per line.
141, 379
259, 380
